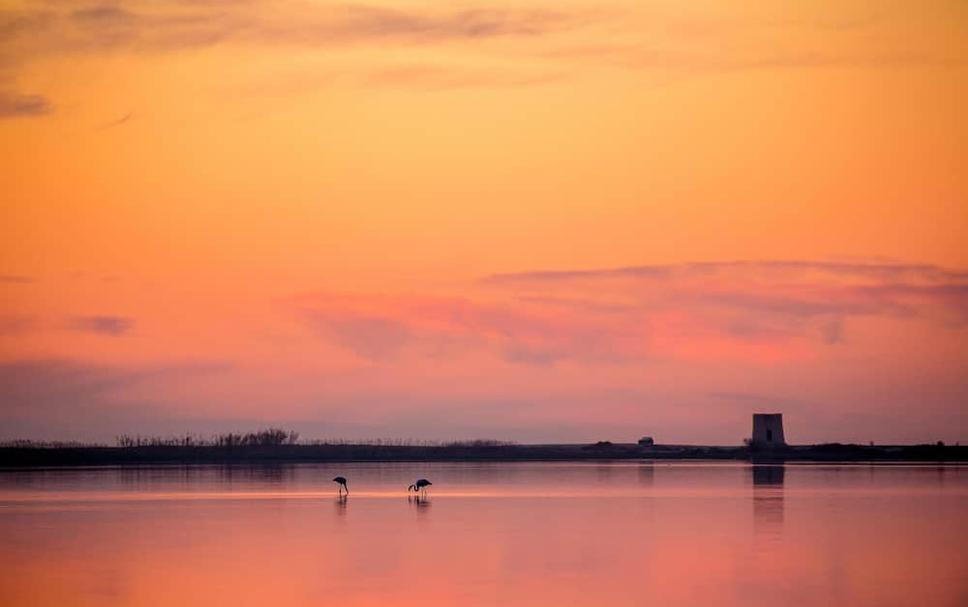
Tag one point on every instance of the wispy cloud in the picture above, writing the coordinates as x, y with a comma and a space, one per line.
698, 58
112, 326
637, 313
360, 21
381, 327
544, 45
17, 105
16, 279
372, 338
754, 300
45, 29
175, 25
116, 122
879, 270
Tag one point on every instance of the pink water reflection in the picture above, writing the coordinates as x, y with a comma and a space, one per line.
495, 534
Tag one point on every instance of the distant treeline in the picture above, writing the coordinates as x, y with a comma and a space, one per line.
269, 437
21, 443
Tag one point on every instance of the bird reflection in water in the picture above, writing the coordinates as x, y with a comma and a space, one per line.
420, 502
340, 503
768, 499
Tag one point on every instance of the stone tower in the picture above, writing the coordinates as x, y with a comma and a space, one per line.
768, 430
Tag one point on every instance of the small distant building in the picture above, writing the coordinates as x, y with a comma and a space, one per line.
646, 441
768, 430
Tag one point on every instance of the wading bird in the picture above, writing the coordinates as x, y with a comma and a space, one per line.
342, 484
420, 486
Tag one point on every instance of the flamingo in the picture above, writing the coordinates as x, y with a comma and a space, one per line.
421, 486
341, 480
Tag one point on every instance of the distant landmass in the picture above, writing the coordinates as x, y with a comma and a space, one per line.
26, 455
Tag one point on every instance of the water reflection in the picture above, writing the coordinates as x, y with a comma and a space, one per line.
145, 477
647, 474
766, 475
265, 473
340, 503
604, 472
768, 499
689, 533
419, 502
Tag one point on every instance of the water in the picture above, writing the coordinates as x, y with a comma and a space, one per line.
489, 534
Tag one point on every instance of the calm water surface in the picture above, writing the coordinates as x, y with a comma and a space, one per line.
489, 534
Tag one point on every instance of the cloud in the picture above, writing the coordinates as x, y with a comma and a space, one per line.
115, 123
737, 310
16, 105
169, 25
372, 338
103, 14
797, 303
104, 325
15, 279
771, 301
772, 296
698, 58
544, 46
353, 21
50, 398
379, 328
16, 324
643, 38
880, 270
683, 43
55, 29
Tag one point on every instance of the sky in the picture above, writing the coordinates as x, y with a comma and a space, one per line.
531, 221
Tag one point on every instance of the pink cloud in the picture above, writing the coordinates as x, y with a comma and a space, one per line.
848, 352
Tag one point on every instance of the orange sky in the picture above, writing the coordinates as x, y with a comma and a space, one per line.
533, 220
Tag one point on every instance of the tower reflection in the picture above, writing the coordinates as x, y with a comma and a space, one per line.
647, 473
768, 499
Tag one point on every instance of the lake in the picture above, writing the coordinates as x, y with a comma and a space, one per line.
624, 533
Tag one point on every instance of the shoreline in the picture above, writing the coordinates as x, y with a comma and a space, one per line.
42, 457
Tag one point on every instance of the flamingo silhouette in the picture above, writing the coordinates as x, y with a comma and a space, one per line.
342, 484
420, 486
